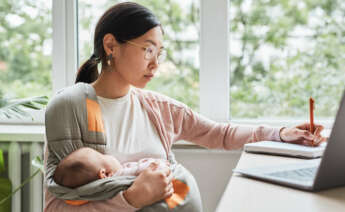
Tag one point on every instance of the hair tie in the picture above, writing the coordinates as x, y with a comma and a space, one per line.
95, 58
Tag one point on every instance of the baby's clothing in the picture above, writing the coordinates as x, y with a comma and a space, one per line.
130, 169
135, 168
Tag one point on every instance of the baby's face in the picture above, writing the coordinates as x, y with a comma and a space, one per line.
104, 165
111, 164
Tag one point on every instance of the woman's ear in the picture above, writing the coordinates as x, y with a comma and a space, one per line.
109, 44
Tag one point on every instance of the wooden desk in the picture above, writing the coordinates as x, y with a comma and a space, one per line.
244, 194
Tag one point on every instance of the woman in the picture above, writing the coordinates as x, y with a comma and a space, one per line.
112, 114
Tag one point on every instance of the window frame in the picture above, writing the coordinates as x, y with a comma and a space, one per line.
65, 43
214, 60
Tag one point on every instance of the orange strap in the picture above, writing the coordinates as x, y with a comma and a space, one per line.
76, 202
180, 192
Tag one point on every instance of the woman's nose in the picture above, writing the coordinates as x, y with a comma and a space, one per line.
154, 62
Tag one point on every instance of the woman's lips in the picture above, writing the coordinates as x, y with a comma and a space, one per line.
149, 76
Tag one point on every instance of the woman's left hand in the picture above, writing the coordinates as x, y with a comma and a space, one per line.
301, 135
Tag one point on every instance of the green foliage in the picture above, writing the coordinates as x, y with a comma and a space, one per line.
5, 187
14, 107
4, 200
5, 190
2, 163
290, 50
25, 53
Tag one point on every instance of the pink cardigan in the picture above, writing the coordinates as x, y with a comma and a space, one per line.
175, 121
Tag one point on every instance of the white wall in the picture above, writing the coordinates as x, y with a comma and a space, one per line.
212, 170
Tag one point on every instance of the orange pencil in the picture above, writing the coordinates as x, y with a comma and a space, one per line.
311, 116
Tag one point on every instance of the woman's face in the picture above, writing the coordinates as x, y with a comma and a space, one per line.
130, 60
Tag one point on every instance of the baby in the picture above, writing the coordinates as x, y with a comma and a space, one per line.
86, 165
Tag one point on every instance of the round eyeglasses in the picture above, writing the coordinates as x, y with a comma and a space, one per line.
151, 52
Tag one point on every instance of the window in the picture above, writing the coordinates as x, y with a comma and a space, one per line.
178, 76
26, 45
283, 52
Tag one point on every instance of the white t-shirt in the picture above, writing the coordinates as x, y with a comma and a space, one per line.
129, 132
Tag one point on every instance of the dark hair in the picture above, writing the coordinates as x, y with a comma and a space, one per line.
73, 174
74, 170
126, 21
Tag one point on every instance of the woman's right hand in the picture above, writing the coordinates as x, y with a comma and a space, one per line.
150, 186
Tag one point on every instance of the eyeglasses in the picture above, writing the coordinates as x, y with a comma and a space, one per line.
151, 52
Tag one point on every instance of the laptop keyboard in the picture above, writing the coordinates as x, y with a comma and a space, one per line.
305, 174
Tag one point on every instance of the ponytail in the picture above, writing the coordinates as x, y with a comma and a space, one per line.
88, 72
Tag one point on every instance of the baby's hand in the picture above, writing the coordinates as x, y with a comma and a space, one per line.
153, 166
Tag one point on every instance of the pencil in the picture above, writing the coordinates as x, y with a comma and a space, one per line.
311, 116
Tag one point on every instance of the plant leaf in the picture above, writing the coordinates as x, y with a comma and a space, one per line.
38, 163
5, 191
19, 187
19, 111
10, 108
2, 163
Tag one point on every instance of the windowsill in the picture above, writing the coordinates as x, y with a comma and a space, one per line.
22, 132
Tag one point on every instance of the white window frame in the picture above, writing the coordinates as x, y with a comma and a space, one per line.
214, 59
65, 43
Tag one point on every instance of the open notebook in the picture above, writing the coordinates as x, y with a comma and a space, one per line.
285, 149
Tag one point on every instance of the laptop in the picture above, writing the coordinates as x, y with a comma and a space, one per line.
311, 175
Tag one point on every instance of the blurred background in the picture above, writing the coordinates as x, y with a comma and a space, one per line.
281, 52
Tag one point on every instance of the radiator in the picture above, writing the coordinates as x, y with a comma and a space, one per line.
18, 156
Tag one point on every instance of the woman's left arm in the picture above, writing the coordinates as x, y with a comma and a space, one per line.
200, 130
205, 132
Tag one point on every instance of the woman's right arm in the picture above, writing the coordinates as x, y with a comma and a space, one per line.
156, 185
64, 136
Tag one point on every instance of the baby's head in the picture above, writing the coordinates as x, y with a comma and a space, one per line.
84, 166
